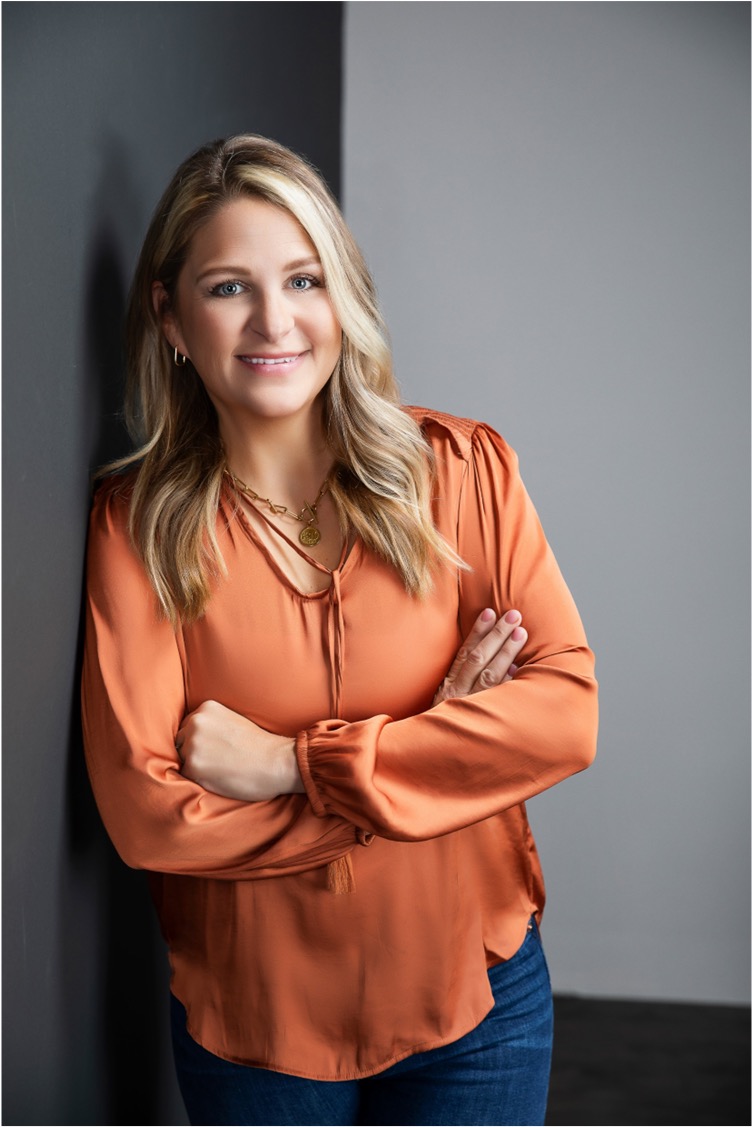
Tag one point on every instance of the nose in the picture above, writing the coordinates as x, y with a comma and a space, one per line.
271, 316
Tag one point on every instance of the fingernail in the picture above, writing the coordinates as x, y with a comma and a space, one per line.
488, 615
512, 669
512, 616
518, 634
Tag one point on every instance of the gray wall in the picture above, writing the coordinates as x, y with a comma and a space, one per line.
101, 101
555, 202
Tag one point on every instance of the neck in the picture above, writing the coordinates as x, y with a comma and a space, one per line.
284, 459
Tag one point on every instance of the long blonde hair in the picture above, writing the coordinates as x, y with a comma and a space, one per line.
381, 486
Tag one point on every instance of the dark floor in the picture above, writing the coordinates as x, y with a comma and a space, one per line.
655, 1063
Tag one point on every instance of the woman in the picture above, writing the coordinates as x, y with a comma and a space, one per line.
338, 851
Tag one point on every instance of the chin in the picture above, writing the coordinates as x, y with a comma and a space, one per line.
282, 407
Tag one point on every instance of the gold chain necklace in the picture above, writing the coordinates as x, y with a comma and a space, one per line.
309, 536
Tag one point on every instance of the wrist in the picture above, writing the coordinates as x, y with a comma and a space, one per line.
291, 781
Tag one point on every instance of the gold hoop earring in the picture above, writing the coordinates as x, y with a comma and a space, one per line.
179, 363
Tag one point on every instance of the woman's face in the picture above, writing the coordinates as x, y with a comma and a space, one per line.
252, 314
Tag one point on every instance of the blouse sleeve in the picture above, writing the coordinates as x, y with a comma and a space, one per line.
133, 702
469, 758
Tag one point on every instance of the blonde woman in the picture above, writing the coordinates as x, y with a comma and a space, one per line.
311, 708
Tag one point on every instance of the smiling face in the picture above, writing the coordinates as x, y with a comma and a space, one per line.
252, 314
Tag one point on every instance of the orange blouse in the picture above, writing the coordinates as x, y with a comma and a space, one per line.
273, 968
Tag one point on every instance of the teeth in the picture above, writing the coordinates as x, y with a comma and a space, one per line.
272, 359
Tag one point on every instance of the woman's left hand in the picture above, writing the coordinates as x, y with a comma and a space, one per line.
486, 657
228, 754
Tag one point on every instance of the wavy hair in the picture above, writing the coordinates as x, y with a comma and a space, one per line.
381, 484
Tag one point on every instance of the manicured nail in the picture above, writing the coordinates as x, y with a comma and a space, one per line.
518, 634
488, 615
512, 616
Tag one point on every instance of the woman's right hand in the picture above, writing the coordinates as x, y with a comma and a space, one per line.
486, 657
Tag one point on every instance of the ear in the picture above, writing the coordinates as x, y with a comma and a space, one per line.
166, 316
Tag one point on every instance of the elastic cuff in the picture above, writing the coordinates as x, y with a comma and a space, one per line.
301, 754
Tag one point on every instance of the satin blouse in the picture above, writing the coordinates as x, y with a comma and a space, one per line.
273, 968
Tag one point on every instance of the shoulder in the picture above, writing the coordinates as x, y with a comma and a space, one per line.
466, 439
116, 579
114, 491
110, 509
441, 429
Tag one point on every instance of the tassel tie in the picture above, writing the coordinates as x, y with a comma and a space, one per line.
336, 641
340, 877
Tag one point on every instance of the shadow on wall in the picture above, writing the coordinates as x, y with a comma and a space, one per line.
116, 219
128, 972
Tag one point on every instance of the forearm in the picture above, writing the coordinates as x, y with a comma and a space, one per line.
160, 820
229, 755
461, 762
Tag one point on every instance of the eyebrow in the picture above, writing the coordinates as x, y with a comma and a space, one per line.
298, 264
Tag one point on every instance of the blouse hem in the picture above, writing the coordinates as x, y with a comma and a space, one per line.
357, 1074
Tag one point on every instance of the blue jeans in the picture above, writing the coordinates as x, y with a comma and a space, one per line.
496, 1074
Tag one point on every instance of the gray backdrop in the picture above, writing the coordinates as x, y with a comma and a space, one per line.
555, 202
101, 101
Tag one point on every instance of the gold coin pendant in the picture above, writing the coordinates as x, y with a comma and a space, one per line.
310, 536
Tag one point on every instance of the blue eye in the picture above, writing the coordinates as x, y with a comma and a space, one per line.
226, 289
303, 282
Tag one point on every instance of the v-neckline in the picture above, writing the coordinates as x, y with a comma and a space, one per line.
348, 549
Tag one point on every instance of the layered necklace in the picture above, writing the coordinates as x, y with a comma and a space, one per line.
310, 534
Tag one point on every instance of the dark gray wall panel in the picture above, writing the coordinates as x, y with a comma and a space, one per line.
101, 101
